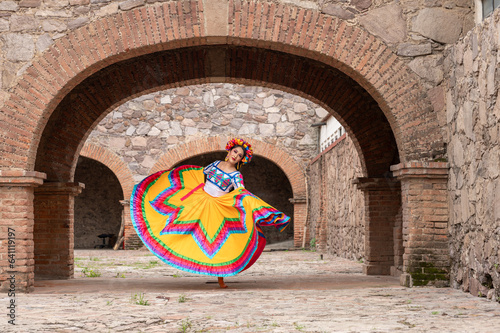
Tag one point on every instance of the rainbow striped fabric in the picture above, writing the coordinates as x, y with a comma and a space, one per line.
195, 232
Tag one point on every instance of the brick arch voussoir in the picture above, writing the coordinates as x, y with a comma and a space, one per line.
114, 163
283, 160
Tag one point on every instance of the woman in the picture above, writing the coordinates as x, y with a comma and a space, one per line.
210, 228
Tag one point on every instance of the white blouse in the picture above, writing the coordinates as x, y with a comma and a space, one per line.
220, 182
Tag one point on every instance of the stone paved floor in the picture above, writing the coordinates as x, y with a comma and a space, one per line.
285, 291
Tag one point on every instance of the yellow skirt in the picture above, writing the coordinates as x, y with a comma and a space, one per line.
195, 232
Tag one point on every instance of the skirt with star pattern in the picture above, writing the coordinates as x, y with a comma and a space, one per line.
189, 229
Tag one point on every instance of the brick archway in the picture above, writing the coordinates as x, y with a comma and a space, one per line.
319, 39
284, 161
87, 73
114, 163
292, 170
125, 178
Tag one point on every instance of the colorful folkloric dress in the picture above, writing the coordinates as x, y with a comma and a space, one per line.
202, 227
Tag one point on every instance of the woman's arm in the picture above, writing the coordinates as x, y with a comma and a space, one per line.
238, 180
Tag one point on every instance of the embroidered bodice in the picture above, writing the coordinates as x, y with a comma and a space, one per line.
219, 182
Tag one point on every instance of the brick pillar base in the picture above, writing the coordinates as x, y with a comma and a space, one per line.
426, 258
54, 230
16, 224
299, 221
131, 240
382, 204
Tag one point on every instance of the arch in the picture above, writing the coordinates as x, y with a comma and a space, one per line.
291, 169
284, 161
84, 75
114, 163
321, 45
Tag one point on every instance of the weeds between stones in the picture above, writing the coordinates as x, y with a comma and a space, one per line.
90, 272
139, 299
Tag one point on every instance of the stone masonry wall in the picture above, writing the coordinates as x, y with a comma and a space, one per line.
142, 130
337, 211
416, 30
473, 133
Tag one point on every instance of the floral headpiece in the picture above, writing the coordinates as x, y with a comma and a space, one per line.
246, 147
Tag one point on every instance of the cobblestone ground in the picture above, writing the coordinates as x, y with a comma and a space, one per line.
285, 291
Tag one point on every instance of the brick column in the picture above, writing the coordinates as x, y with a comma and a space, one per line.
382, 205
299, 220
425, 222
54, 230
131, 239
16, 225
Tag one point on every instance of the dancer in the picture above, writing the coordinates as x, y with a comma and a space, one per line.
207, 227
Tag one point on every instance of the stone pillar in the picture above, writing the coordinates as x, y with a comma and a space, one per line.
382, 205
299, 221
16, 225
54, 230
424, 192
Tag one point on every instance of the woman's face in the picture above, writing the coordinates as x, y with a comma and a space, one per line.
236, 155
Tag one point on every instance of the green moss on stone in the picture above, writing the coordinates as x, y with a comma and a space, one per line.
423, 273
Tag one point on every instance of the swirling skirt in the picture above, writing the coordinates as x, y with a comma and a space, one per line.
195, 232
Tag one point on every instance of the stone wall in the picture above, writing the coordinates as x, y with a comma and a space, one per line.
416, 30
142, 130
473, 133
336, 221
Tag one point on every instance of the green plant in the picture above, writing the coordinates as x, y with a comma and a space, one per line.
94, 259
139, 299
89, 272
312, 244
435, 312
176, 275
109, 302
298, 327
151, 264
182, 298
185, 324
118, 275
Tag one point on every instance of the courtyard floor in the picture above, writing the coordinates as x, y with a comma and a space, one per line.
285, 291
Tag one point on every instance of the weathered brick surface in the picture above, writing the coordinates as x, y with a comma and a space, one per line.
17, 218
383, 207
425, 220
53, 229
